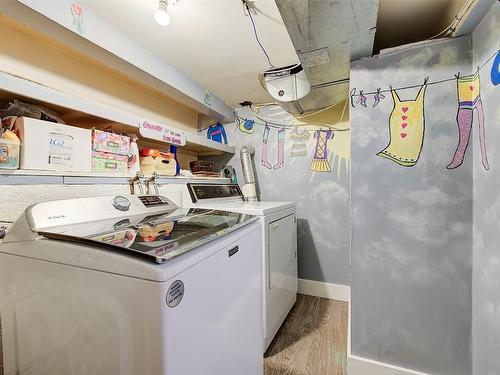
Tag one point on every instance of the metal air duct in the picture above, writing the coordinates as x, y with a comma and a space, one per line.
247, 167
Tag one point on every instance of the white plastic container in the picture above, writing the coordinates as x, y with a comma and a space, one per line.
133, 158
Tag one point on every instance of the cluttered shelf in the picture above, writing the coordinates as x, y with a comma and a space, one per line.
77, 108
45, 131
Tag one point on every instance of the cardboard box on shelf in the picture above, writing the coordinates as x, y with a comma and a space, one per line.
110, 142
104, 162
52, 146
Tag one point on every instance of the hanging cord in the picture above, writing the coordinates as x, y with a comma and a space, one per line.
319, 110
308, 123
343, 112
457, 19
248, 13
308, 114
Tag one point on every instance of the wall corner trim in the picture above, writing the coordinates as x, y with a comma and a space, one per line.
362, 366
325, 290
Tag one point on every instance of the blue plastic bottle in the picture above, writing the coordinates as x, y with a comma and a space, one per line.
173, 150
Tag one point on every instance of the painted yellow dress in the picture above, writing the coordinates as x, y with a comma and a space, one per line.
406, 128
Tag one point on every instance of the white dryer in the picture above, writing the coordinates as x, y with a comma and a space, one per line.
131, 285
279, 245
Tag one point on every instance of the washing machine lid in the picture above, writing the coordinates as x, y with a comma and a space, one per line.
157, 237
230, 198
251, 208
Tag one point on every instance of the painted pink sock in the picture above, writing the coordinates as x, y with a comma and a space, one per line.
281, 149
464, 121
482, 138
263, 158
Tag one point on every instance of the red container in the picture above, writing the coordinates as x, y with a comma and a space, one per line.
201, 166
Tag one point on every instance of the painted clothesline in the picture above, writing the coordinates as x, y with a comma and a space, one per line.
281, 126
292, 127
407, 124
273, 124
270, 123
353, 93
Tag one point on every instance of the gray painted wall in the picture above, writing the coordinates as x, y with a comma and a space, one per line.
322, 198
412, 226
486, 269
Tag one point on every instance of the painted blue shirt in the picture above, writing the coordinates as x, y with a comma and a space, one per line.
217, 133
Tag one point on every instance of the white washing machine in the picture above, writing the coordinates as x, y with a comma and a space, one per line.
131, 285
279, 245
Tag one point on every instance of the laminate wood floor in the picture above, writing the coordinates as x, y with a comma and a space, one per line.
311, 341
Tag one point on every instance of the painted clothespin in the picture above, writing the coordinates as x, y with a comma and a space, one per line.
361, 99
378, 97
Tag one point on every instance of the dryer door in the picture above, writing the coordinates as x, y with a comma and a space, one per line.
281, 249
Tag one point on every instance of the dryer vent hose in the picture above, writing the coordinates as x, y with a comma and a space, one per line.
247, 166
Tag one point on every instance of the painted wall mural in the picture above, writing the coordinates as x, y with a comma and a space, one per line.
406, 129
299, 139
411, 219
320, 159
469, 98
486, 236
299, 132
246, 126
217, 133
407, 118
285, 149
281, 148
77, 14
495, 70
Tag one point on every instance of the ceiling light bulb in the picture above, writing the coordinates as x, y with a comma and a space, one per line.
161, 15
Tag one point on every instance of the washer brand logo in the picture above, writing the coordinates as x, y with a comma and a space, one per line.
56, 217
233, 251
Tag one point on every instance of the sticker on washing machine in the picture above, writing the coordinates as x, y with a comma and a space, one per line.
175, 293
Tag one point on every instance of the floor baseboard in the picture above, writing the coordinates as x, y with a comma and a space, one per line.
362, 366
325, 290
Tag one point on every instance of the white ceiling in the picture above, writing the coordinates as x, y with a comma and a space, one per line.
212, 41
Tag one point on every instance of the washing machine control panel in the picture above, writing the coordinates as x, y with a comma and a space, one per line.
153, 200
201, 192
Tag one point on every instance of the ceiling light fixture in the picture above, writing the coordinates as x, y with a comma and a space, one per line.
161, 15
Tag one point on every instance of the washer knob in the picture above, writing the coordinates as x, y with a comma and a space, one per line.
121, 203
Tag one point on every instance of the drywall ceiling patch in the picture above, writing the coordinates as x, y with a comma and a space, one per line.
314, 57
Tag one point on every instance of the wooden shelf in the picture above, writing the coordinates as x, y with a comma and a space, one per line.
32, 177
106, 45
81, 110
